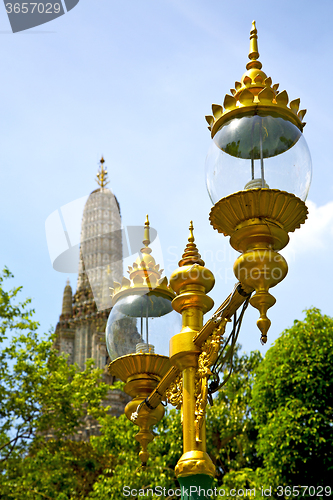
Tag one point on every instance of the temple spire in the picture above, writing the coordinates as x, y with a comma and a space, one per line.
102, 174
67, 300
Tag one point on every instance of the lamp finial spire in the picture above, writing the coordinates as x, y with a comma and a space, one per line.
102, 174
191, 236
254, 53
146, 234
191, 254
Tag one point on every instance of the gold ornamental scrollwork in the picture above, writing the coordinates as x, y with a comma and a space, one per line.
174, 394
208, 356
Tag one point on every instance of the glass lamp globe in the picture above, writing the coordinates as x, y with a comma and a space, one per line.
258, 150
142, 319
141, 323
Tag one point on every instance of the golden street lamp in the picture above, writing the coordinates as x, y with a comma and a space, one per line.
259, 155
142, 309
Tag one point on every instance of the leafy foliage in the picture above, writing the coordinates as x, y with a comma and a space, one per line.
293, 405
56, 469
13, 316
118, 435
231, 433
43, 402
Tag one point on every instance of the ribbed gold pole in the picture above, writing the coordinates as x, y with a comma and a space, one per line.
189, 408
191, 281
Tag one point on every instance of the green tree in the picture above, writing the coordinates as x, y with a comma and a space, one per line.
118, 435
231, 433
270, 425
43, 402
293, 405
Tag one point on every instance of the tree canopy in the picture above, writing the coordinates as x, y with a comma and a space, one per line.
43, 402
292, 408
270, 425
293, 404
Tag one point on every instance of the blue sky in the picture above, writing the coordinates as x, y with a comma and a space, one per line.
133, 81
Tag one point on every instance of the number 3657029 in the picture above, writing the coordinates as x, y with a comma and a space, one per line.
30, 8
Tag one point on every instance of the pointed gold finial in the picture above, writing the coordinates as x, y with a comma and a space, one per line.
191, 254
145, 263
146, 234
254, 53
144, 274
191, 237
254, 91
102, 174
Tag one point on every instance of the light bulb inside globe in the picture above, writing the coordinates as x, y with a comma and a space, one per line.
141, 323
261, 150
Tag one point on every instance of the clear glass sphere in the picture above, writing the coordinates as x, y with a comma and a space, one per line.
141, 323
262, 150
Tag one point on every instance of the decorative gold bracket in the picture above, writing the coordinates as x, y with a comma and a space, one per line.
208, 356
174, 393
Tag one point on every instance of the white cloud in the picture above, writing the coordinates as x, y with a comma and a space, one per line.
316, 234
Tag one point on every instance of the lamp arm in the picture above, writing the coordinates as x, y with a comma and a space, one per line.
226, 310
158, 394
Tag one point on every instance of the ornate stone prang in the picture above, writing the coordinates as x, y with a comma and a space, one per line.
100, 246
80, 330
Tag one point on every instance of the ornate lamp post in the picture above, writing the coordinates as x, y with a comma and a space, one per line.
259, 155
258, 151
141, 310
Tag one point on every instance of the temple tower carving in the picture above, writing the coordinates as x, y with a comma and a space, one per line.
81, 327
